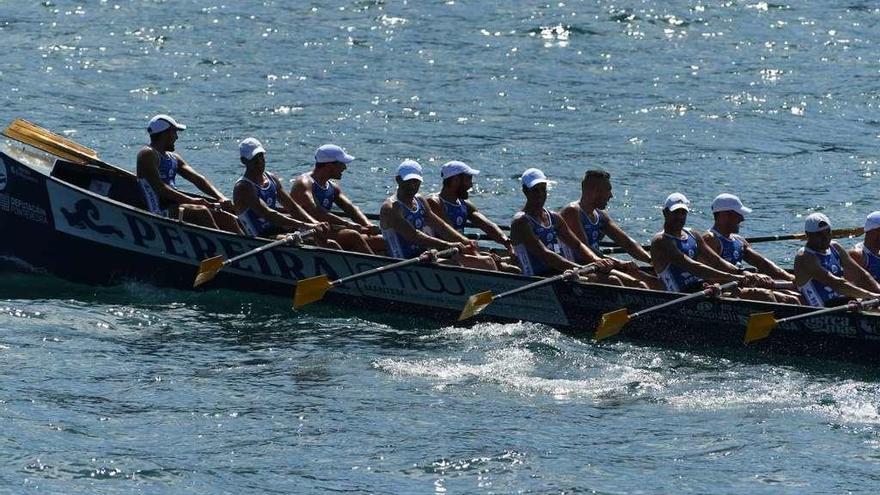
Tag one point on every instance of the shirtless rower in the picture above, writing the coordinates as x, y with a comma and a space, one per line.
258, 193
867, 253
405, 217
451, 205
157, 169
724, 239
590, 222
823, 271
684, 262
542, 241
316, 192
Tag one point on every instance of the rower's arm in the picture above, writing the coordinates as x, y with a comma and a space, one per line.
854, 272
246, 198
392, 217
352, 210
807, 267
711, 258
293, 208
443, 229
521, 233
491, 229
301, 195
571, 240
198, 180
764, 265
623, 240
148, 169
664, 252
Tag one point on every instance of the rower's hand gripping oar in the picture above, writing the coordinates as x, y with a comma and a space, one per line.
312, 289
613, 321
761, 324
478, 302
209, 267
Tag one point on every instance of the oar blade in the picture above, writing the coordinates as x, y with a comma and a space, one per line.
760, 326
475, 304
208, 269
309, 290
611, 323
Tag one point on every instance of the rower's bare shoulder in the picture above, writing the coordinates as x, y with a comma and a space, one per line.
569, 209
299, 182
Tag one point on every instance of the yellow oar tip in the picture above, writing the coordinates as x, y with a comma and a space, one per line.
760, 326
475, 304
208, 268
612, 323
309, 290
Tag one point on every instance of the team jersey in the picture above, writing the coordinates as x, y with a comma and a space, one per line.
456, 213
870, 260
549, 237
398, 247
674, 278
732, 247
252, 223
594, 231
325, 197
167, 174
816, 293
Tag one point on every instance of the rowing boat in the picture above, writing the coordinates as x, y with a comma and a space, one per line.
85, 222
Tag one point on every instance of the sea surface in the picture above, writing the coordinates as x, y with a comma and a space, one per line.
139, 389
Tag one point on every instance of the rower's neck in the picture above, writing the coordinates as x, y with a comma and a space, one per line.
448, 195
586, 206
671, 231
723, 231
254, 176
320, 177
534, 209
816, 247
408, 200
873, 245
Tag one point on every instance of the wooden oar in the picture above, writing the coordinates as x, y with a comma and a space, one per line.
761, 324
478, 302
312, 289
613, 321
209, 267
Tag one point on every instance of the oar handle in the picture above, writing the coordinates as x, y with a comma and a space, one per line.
288, 239
711, 291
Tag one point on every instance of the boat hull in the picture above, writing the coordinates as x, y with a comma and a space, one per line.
78, 232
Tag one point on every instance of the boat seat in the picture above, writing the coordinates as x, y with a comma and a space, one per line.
113, 184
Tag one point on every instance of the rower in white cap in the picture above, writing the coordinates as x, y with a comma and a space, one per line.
318, 192
683, 261
823, 271
867, 253
723, 238
158, 166
258, 196
543, 243
405, 220
452, 206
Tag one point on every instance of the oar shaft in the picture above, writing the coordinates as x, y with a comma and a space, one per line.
695, 295
581, 270
836, 309
392, 266
280, 242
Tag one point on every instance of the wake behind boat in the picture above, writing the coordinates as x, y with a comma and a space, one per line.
65, 210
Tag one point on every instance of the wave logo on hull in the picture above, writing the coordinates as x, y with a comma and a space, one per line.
84, 217
3, 179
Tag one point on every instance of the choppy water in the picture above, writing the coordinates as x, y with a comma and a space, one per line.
136, 389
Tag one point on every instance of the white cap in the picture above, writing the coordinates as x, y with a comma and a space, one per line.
816, 222
873, 221
729, 202
250, 147
163, 122
329, 153
409, 169
532, 177
676, 201
453, 168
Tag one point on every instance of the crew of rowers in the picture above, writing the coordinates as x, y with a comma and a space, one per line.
542, 242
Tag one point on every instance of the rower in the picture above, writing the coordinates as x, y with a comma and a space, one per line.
589, 221
157, 169
317, 193
724, 239
405, 218
867, 253
823, 271
542, 241
257, 195
452, 206
684, 262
